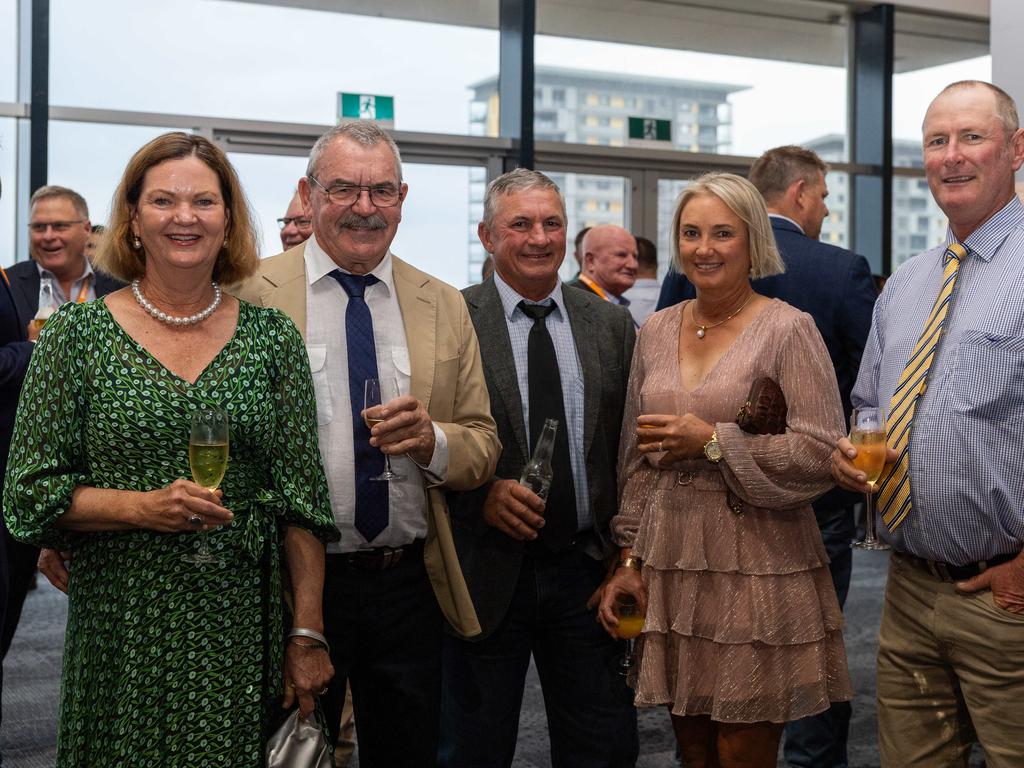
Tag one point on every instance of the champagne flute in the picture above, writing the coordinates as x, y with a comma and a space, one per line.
377, 392
631, 623
208, 459
867, 433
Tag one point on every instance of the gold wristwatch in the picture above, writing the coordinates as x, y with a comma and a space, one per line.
712, 451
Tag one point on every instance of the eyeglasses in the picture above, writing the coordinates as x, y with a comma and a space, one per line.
384, 196
299, 221
60, 227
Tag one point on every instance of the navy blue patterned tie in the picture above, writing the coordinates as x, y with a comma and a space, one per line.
371, 496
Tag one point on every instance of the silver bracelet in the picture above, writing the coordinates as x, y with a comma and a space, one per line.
312, 634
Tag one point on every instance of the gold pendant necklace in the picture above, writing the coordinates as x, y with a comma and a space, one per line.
702, 329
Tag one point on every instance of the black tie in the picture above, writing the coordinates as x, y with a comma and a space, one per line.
546, 402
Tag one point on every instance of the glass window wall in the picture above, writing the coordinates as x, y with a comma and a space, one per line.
8, 50
262, 62
8, 201
587, 89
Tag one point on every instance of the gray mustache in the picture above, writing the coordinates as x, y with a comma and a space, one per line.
354, 221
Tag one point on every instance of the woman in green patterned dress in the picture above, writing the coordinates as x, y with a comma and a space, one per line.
166, 662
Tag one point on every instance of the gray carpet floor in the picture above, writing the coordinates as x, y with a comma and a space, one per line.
32, 672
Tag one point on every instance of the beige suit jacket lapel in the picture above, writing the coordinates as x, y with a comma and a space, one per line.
419, 316
282, 284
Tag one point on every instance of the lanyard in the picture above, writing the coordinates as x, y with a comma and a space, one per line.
594, 287
83, 292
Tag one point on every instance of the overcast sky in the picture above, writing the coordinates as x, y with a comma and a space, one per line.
239, 60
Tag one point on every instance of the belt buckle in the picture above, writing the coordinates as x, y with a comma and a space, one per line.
685, 478
939, 570
390, 558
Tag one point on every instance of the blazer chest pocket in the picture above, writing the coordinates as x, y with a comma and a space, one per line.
321, 383
987, 380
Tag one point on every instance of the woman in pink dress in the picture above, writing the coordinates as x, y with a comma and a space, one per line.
743, 632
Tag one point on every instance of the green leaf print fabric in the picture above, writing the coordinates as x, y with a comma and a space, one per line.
167, 663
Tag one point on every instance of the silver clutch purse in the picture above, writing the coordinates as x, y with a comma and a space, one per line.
300, 743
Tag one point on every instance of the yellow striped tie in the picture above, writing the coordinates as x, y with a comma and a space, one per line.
894, 486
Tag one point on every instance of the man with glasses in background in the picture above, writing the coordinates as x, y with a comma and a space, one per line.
58, 230
366, 314
296, 226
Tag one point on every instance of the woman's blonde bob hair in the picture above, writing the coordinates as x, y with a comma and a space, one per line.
745, 201
238, 258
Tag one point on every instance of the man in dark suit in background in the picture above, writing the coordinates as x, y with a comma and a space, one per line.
15, 351
533, 568
835, 287
58, 231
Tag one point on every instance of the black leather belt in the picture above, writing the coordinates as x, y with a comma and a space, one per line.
377, 559
947, 572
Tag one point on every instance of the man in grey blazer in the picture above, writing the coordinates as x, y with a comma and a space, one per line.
533, 568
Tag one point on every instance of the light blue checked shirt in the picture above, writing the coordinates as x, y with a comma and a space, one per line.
569, 370
967, 437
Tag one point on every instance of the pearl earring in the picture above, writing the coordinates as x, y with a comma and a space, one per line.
136, 243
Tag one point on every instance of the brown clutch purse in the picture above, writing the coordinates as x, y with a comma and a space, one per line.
764, 412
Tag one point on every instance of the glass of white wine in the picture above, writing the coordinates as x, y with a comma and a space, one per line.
208, 458
378, 392
867, 433
631, 623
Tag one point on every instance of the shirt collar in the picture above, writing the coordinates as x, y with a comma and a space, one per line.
510, 298
786, 218
319, 265
986, 239
43, 272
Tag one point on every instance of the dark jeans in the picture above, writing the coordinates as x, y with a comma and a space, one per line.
591, 717
21, 565
384, 628
819, 741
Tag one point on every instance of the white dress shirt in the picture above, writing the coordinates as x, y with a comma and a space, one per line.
327, 345
82, 289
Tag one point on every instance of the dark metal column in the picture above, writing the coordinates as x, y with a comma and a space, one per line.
40, 117
518, 22
870, 132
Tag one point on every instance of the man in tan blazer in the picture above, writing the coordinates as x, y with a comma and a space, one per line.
366, 314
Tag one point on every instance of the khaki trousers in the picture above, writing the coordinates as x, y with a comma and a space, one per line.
950, 672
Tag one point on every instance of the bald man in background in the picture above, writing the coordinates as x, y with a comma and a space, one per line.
609, 263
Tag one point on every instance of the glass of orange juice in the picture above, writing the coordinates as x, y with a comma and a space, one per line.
631, 623
867, 433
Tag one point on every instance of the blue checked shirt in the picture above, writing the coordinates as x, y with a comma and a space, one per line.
568, 369
967, 438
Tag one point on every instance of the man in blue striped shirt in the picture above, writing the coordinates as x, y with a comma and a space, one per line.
951, 644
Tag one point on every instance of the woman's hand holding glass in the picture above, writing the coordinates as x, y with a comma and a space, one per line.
171, 509
622, 582
677, 437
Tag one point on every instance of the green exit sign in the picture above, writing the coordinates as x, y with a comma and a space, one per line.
367, 106
650, 129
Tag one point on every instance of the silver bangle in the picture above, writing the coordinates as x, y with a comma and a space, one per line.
312, 634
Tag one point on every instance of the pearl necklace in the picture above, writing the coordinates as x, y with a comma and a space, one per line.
702, 329
163, 317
